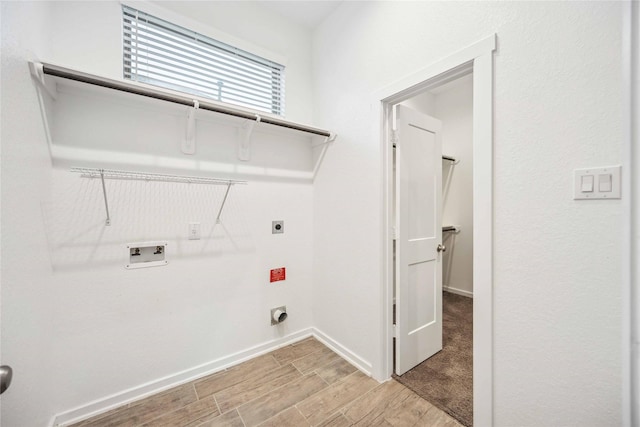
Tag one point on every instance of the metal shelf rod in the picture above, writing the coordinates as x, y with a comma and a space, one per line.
142, 176
183, 99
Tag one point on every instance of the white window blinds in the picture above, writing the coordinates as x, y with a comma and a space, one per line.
160, 53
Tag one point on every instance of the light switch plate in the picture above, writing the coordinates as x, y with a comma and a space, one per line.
597, 190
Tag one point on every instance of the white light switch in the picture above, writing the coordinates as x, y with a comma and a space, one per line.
597, 183
587, 184
604, 182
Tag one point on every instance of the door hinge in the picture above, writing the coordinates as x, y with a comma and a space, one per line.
394, 233
393, 329
394, 136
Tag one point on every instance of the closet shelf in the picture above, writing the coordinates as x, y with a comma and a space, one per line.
141, 176
449, 158
40, 70
55, 80
450, 228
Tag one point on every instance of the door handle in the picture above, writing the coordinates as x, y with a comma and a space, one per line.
442, 248
6, 374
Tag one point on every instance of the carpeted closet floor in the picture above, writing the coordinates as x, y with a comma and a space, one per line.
446, 379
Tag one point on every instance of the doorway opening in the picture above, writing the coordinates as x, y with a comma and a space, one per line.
472, 65
434, 357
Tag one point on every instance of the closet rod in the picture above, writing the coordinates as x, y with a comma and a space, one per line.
66, 73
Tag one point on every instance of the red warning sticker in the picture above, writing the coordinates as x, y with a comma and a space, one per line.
278, 274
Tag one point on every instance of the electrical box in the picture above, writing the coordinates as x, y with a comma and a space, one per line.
194, 231
146, 254
277, 227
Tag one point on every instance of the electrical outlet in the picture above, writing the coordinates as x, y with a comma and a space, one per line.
194, 231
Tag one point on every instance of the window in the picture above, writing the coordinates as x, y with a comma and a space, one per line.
160, 53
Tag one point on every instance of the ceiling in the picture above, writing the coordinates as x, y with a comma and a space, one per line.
306, 13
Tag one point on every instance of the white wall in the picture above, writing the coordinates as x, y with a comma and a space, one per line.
76, 325
26, 299
424, 102
455, 109
453, 105
557, 283
635, 215
556, 290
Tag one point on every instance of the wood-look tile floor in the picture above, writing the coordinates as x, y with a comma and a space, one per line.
303, 384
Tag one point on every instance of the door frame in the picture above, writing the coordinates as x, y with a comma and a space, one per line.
631, 225
477, 59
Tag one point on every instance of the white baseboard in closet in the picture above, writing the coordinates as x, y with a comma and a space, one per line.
457, 291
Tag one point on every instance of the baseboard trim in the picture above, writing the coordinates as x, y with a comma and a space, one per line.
458, 291
139, 392
343, 351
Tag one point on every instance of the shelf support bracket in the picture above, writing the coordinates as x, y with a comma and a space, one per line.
189, 143
226, 194
106, 203
453, 160
325, 144
244, 149
37, 71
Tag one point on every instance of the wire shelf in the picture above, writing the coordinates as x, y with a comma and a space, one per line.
142, 176
103, 174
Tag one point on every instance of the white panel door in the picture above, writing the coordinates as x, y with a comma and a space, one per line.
419, 234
